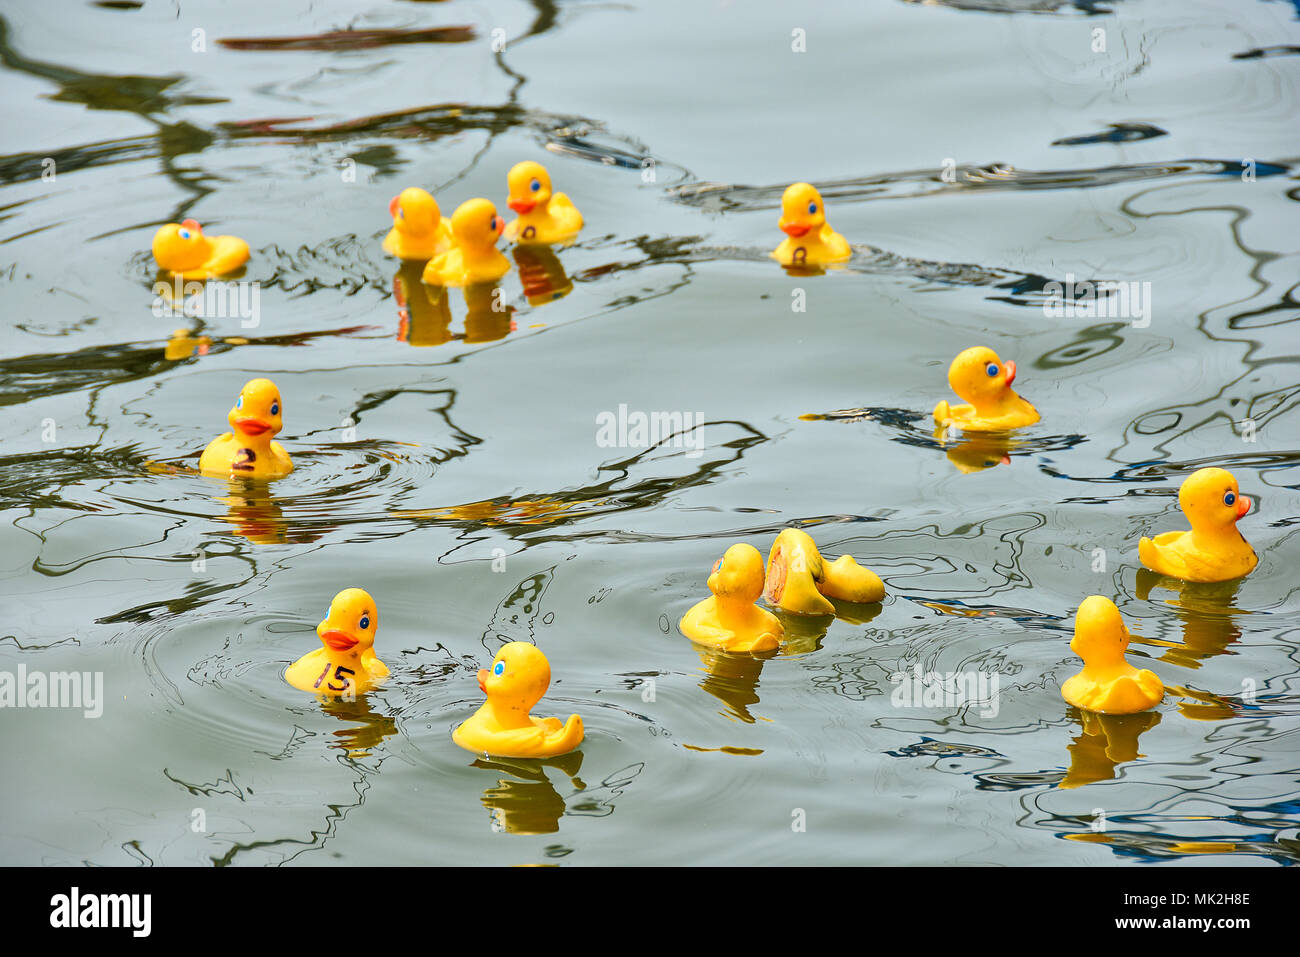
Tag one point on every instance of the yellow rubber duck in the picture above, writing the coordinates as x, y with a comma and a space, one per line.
984, 380
799, 580
811, 241
346, 664
474, 257
248, 451
419, 230
544, 217
1108, 683
182, 250
730, 620
519, 676
1214, 550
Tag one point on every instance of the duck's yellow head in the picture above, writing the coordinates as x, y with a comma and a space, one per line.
1100, 635
979, 376
519, 675
351, 623
415, 211
738, 574
476, 225
801, 210
1210, 499
257, 411
530, 186
181, 246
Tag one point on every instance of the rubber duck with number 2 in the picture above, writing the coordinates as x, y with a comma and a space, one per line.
248, 451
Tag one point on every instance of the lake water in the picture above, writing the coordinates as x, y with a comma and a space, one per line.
448, 462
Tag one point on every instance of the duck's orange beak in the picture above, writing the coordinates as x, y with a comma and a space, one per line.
252, 426
1011, 371
522, 206
482, 680
1243, 506
392, 207
796, 230
338, 640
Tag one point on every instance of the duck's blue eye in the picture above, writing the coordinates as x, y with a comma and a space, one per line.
492, 223
365, 622
499, 668
717, 566
536, 185
812, 209
1229, 499
275, 408
184, 234
401, 213
239, 403
992, 369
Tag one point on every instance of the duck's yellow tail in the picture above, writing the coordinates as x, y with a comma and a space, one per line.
848, 581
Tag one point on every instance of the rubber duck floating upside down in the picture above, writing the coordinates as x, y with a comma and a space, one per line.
346, 663
799, 580
1107, 683
419, 230
544, 217
980, 377
730, 620
1214, 550
182, 250
474, 257
810, 241
519, 676
248, 451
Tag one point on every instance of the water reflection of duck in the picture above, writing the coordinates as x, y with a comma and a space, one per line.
731, 620
530, 804
979, 376
487, 316
254, 513
1205, 611
542, 274
423, 312
370, 728
1214, 549
1105, 741
183, 344
976, 452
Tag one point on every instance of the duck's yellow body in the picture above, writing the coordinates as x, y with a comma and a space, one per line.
474, 257
519, 676
419, 230
1108, 683
346, 664
182, 250
544, 217
984, 381
248, 451
730, 620
1214, 549
799, 580
809, 241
